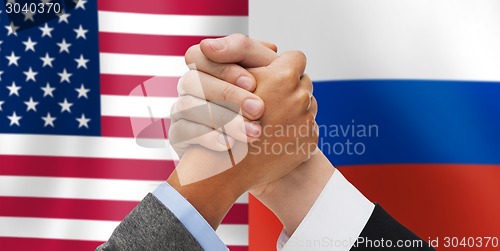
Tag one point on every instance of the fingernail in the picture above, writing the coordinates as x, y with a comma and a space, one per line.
216, 44
252, 106
244, 82
251, 129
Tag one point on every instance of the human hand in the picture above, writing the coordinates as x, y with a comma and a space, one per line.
247, 52
227, 86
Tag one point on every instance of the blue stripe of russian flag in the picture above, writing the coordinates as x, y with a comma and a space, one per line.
409, 121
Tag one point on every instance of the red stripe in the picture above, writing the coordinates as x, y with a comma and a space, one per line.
122, 127
125, 85
117, 127
25, 244
176, 7
88, 209
146, 44
238, 248
66, 208
75, 167
433, 200
12, 243
237, 215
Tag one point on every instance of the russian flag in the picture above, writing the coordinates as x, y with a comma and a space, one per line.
409, 106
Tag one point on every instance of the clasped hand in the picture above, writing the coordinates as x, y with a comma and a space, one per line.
245, 117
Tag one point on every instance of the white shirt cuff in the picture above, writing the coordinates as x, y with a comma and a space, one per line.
334, 222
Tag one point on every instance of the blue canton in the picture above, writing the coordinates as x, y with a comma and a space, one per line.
49, 74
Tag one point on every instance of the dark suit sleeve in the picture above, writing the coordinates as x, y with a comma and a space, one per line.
151, 226
382, 226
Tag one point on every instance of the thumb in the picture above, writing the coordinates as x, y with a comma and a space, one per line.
269, 45
292, 63
240, 49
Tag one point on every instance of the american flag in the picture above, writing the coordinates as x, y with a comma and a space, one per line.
70, 168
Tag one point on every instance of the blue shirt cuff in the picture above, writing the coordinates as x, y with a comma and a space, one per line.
190, 217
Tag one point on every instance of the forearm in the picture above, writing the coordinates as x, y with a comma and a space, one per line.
292, 197
212, 195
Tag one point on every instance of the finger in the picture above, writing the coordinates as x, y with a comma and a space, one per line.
183, 134
214, 116
204, 86
294, 61
232, 73
306, 83
237, 48
313, 109
269, 45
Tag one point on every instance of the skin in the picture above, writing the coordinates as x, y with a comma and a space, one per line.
215, 194
227, 65
291, 196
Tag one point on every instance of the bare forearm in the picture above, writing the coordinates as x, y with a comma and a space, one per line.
293, 196
213, 195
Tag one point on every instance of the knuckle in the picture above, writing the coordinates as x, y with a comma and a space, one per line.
174, 108
314, 127
191, 54
184, 127
314, 105
300, 55
228, 93
307, 79
181, 108
192, 76
310, 119
303, 97
224, 69
242, 40
176, 130
188, 79
181, 104
288, 74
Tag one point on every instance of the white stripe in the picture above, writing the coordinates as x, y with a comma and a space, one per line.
133, 106
76, 146
233, 234
78, 188
143, 65
92, 230
180, 25
243, 199
386, 39
89, 230
75, 188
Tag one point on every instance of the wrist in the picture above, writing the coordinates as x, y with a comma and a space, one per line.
212, 195
291, 197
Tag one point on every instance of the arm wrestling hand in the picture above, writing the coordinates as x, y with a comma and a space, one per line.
284, 88
291, 196
221, 80
249, 52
